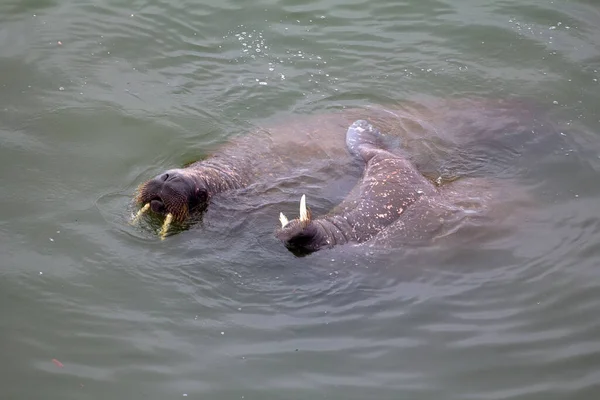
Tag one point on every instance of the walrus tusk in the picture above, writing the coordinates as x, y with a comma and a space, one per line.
140, 212
166, 225
303, 212
283, 219
304, 215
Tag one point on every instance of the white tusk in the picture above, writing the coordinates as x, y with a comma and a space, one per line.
303, 212
283, 219
140, 212
166, 225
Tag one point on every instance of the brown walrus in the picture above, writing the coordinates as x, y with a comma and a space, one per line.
392, 202
429, 131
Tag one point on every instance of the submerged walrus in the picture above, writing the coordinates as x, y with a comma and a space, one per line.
316, 147
393, 201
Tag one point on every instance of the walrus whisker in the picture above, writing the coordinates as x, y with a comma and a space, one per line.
165, 226
140, 212
139, 193
283, 219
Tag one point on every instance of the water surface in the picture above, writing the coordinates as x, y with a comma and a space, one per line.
98, 96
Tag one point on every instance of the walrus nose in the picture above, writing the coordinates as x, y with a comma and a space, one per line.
168, 176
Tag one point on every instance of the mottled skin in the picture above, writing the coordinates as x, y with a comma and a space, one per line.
393, 202
431, 131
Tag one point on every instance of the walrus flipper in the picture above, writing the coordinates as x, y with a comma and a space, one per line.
362, 138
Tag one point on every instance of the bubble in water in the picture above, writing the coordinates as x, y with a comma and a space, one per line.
254, 47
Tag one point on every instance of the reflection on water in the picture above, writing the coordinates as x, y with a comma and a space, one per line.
222, 310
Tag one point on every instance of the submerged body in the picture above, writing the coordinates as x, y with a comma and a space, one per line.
392, 204
435, 138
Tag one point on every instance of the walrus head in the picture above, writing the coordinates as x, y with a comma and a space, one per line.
176, 192
302, 235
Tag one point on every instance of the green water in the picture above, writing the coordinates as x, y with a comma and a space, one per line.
95, 97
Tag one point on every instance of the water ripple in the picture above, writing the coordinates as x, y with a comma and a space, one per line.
98, 96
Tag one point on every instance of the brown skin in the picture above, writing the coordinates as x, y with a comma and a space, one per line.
316, 144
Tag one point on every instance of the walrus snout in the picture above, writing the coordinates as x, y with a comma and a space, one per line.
158, 206
300, 235
175, 191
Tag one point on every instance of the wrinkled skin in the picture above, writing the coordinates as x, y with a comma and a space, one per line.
315, 146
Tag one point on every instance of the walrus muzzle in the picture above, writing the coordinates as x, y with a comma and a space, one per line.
301, 235
174, 194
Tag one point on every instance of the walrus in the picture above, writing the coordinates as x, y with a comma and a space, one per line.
437, 135
392, 201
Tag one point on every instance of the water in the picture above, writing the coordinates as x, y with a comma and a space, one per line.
98, 96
